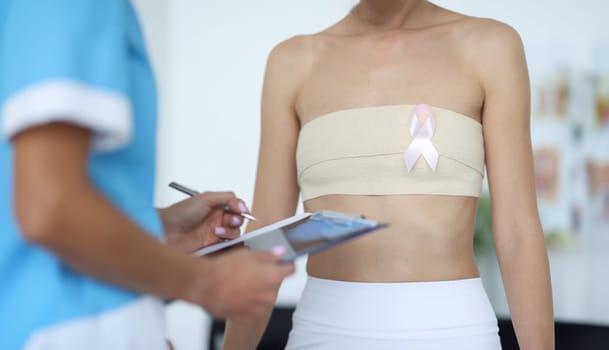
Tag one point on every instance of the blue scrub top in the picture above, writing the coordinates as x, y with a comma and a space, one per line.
82, 62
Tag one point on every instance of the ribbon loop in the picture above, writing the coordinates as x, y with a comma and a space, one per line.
422, 128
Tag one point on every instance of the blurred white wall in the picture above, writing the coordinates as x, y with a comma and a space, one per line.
210, 56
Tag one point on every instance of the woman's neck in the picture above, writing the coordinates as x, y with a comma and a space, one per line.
387, 15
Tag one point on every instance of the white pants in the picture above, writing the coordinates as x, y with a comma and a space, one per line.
138, 325
336, 315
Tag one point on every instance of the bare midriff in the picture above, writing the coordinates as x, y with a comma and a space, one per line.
429, 238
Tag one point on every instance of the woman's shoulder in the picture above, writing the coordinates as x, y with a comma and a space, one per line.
298, 54
312, 45
484, 43
290, 63
306, 44
492, 49
486, 34
296, 50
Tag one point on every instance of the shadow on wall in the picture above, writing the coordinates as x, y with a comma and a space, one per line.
569, 336
275, 337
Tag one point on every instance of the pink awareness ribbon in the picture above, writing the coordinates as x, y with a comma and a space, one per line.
422, 133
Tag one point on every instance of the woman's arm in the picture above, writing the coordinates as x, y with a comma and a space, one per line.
518, 235
276, 191
60, 210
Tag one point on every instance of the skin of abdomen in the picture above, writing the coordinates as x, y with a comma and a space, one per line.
429, 238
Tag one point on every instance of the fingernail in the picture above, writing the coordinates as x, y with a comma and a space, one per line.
236, 221
242, 207
278, 250
219, 230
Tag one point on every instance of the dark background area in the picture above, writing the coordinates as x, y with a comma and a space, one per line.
569, 336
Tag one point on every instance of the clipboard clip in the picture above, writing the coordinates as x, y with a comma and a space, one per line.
332, 217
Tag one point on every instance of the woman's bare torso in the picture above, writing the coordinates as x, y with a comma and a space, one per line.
430, 236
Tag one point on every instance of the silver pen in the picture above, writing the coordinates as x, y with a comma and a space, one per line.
192, 193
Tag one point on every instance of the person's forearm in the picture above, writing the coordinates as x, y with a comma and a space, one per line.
526, 276
245, 334
89, 234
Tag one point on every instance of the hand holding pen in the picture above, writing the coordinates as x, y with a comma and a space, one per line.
192, 193
204, 219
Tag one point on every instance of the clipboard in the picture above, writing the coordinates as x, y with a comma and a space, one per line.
301, 234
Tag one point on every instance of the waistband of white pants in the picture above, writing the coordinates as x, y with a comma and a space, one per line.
401, 309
